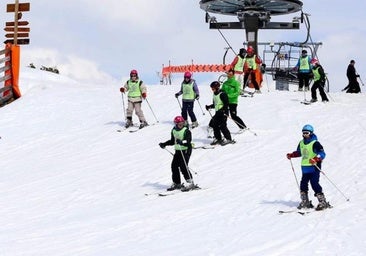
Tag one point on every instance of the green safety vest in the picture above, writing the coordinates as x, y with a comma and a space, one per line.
179, 135
218, 102
134, 88
251, 62
304, 63
307, 152
239, 65
188, 92
316, 74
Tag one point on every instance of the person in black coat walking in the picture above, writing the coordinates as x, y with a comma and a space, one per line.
353, 85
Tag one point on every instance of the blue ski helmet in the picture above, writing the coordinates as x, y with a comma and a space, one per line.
308, 128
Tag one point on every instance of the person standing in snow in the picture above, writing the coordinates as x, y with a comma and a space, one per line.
251, 63
353, 85
190, 92
181, 138
319, 81
232, 88
303, 68
312, 154
219, 120
136, 93
238, 66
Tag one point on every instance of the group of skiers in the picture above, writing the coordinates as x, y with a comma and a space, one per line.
245, 65
308, 68
225, 102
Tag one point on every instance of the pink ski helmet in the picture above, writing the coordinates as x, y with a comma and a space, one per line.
178, 119
187, 74
314, 61
250, 50
134, 72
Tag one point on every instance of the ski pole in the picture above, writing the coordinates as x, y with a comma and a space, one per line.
208, 110
246, 128
293, 170
186, 165
151, 110
347, 199
123, 103
169, 151
184, 161
359, 77
199, 104
180, 106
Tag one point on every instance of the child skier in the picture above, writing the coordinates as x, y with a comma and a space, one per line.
312, 154
181, 138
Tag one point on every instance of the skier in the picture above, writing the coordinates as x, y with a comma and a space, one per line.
303, 68
181, 138
319, 81
353, 85
190, 92
136, 93
312, 153
251, 63
232, 88
219, 120
238, 66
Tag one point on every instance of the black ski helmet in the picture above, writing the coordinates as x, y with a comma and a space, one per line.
215, 85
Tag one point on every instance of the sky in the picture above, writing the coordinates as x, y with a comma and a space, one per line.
72, 185
102, 42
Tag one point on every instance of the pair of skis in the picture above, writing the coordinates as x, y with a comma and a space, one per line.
304, 212
173, 192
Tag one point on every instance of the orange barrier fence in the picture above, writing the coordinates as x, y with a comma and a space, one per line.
166, 71
10, 78
195, 68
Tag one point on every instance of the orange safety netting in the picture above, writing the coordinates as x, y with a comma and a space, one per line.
166, 71
195, 68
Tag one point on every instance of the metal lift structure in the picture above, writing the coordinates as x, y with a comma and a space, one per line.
253, 15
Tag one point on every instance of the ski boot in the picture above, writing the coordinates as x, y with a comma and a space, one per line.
128, 123
216, 141
175, 186
194, 124
143, 124
323, 204
190, 186
305, 203
224, 142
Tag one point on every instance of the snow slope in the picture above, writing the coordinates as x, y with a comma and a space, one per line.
71, 185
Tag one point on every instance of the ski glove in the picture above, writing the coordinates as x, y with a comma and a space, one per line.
122, 89
144, 95
162, 145
178, 141
207, 107
315, 160
197, 97
292, 155
177, 95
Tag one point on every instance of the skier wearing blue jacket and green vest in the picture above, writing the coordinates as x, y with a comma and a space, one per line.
312, 153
